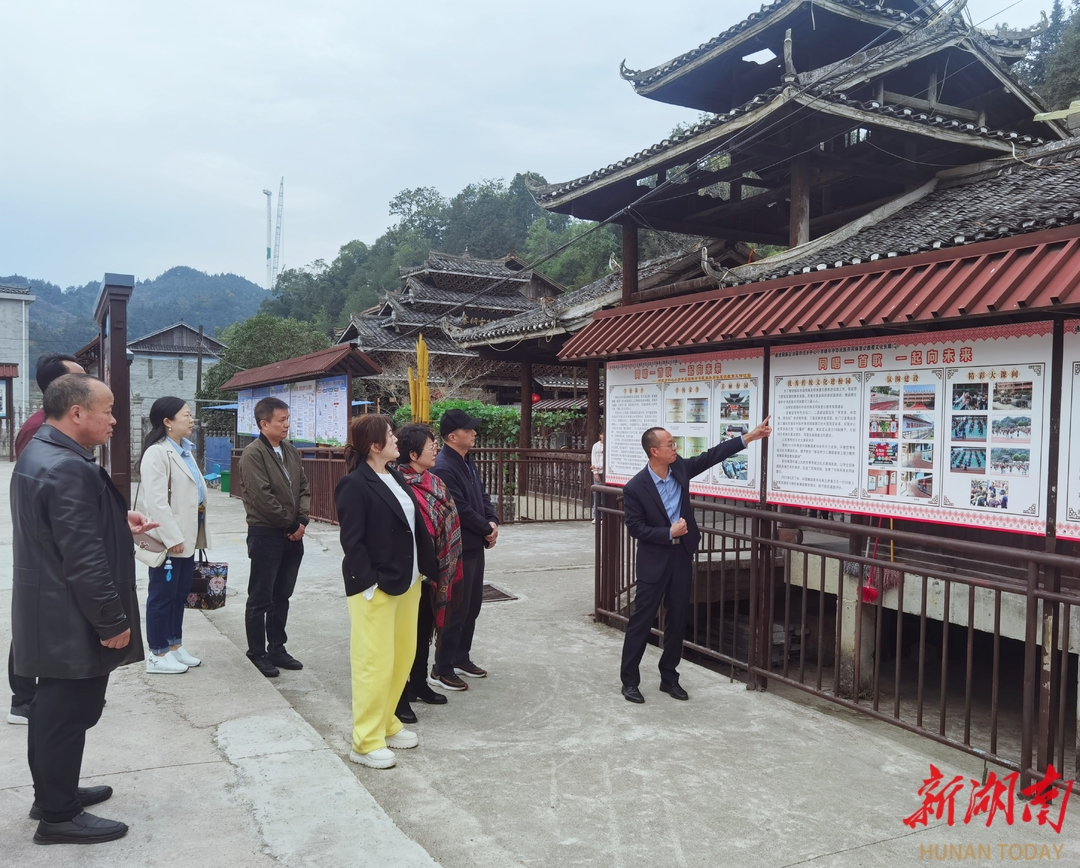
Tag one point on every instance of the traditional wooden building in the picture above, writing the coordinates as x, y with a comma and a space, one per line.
448, 292
889, 146
818, 113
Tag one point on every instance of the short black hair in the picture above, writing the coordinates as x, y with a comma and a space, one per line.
264, 410
50, 366
68, 391
649, 440
412, 439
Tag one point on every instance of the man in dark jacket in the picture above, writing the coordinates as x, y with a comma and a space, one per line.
50, 366
74, 611
479, 531
657, 513
277, 500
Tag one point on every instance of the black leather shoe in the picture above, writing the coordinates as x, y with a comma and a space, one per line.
83, 829
423, 693
674, 690
264, 665
285, 660
404, 712
633, 694
87, 796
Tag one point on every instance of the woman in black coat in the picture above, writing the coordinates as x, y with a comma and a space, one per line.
387, 547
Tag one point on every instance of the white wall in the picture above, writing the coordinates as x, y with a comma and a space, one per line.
15, 347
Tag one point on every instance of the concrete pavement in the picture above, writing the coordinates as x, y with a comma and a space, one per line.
543, 763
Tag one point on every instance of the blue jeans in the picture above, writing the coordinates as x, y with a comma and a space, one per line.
169, 589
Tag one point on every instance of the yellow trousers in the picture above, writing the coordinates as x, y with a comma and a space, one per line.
382, 650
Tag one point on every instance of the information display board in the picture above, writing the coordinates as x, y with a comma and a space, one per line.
702, 400
302, 412
947, 427
318, 410
245, 413
1068, 517
331, 411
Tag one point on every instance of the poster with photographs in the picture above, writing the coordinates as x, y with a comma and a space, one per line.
701, 400
1016, 431
947, 427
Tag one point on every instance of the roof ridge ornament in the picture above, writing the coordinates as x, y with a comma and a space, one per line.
789, 63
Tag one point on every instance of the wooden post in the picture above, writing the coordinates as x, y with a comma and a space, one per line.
525, 435
799, 219
200, 440
9, 397
592, 411
629, 260
110, 313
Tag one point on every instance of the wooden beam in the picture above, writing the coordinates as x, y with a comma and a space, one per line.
928, 106
799, 220
630, 260
592, 410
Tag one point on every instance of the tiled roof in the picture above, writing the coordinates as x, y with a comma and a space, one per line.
820, 98
333, 360
17, 290
1040, 189
993, 279
574, 309
376, 334
465, 264
419, 291
900, 19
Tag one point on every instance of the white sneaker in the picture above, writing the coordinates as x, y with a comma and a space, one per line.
381, 758
166, 664
403, 739
189, 660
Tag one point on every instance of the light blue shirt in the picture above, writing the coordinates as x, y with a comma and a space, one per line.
184, 447
670, 493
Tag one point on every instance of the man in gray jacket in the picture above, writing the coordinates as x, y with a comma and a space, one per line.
277, 499
74, 611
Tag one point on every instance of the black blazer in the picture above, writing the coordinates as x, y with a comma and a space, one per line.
375, 534
647, 521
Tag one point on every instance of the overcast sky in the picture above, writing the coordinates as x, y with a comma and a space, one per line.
139, 135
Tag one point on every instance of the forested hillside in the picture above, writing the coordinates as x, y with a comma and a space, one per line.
489, 219
62, 320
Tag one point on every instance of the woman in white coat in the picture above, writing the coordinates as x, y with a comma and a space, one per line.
173, 492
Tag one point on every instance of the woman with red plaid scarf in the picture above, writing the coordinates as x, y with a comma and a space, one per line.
417, 443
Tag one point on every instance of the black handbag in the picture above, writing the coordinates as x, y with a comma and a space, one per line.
209, 584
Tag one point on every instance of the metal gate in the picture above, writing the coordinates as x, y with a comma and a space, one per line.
972, 646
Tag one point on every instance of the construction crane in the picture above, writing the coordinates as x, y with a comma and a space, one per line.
269, 277
277, 233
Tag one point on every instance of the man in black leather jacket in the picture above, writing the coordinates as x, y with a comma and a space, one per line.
74, 611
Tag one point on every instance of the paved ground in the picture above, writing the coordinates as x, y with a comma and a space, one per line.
543, 763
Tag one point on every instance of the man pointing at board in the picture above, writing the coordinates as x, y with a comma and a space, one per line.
657, 513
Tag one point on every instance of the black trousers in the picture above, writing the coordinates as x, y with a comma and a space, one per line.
425, 628
275, 564
673, 590
455, 642
61, 713
22, 688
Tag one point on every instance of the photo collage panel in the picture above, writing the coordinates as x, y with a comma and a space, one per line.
900, 450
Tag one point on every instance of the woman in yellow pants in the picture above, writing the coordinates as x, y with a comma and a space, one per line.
387, 548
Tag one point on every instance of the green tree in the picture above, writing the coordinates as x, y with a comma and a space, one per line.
261, 340
1062, 84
